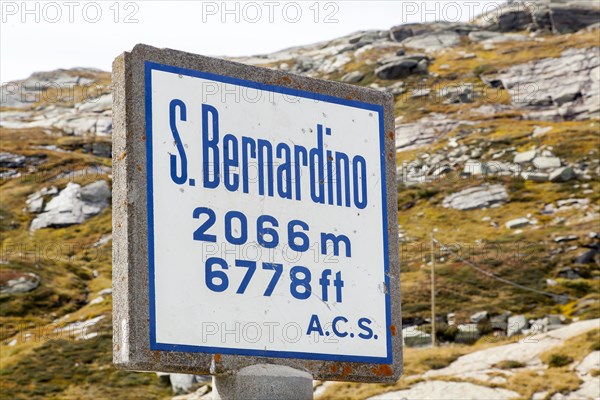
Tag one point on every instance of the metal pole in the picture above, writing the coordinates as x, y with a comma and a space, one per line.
432, 289
264, 382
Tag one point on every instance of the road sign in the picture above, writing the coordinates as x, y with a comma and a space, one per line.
254, 220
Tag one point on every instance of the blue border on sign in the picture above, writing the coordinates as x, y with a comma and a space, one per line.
148, 67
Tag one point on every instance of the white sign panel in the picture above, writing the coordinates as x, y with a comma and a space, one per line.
267, 223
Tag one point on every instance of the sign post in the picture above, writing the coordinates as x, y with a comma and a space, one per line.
254, 224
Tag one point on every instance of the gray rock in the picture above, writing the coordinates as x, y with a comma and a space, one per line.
541, 131
394, 59
479, 36
535, 176
103, 126
500, 322
473, 167
353, 77
574, 17
566, 93
396, 88
525, 157
182, 383
105, 292
420, 93
441, 170
501, 168
551, 16
413, 337
566, 87
35, 201
81, 124
423, 66
28, 92
73, 205
588, 257
95, 193
35, 204
15, 282
568, 273
494, 37
433, 41
476, 197
462, 93
563, 174
400, 33
96, 105
553, 319
480, 316
517, 223
516, 324
401, 67
476, 152
100, 149
546, 162
10, 160
509, 19
425, 131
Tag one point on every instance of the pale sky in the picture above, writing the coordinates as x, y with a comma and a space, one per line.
46, 35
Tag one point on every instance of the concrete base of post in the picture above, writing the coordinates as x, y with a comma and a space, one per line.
264, 382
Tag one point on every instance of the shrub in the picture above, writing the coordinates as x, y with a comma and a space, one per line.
438, 362
559, 360
509, 364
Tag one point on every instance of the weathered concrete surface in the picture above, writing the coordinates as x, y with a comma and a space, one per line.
131, 333
263, 382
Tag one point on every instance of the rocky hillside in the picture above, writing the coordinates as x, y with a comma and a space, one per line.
497, 136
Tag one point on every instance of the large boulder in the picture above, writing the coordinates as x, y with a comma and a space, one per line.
574, 17
516, 324
476, 197
588, 257
402, 66
525, 157
479, 316
546, 162
402, 32
563, 174
556, 17
566, 87
73, 205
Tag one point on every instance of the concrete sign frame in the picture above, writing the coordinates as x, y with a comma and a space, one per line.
135, 345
